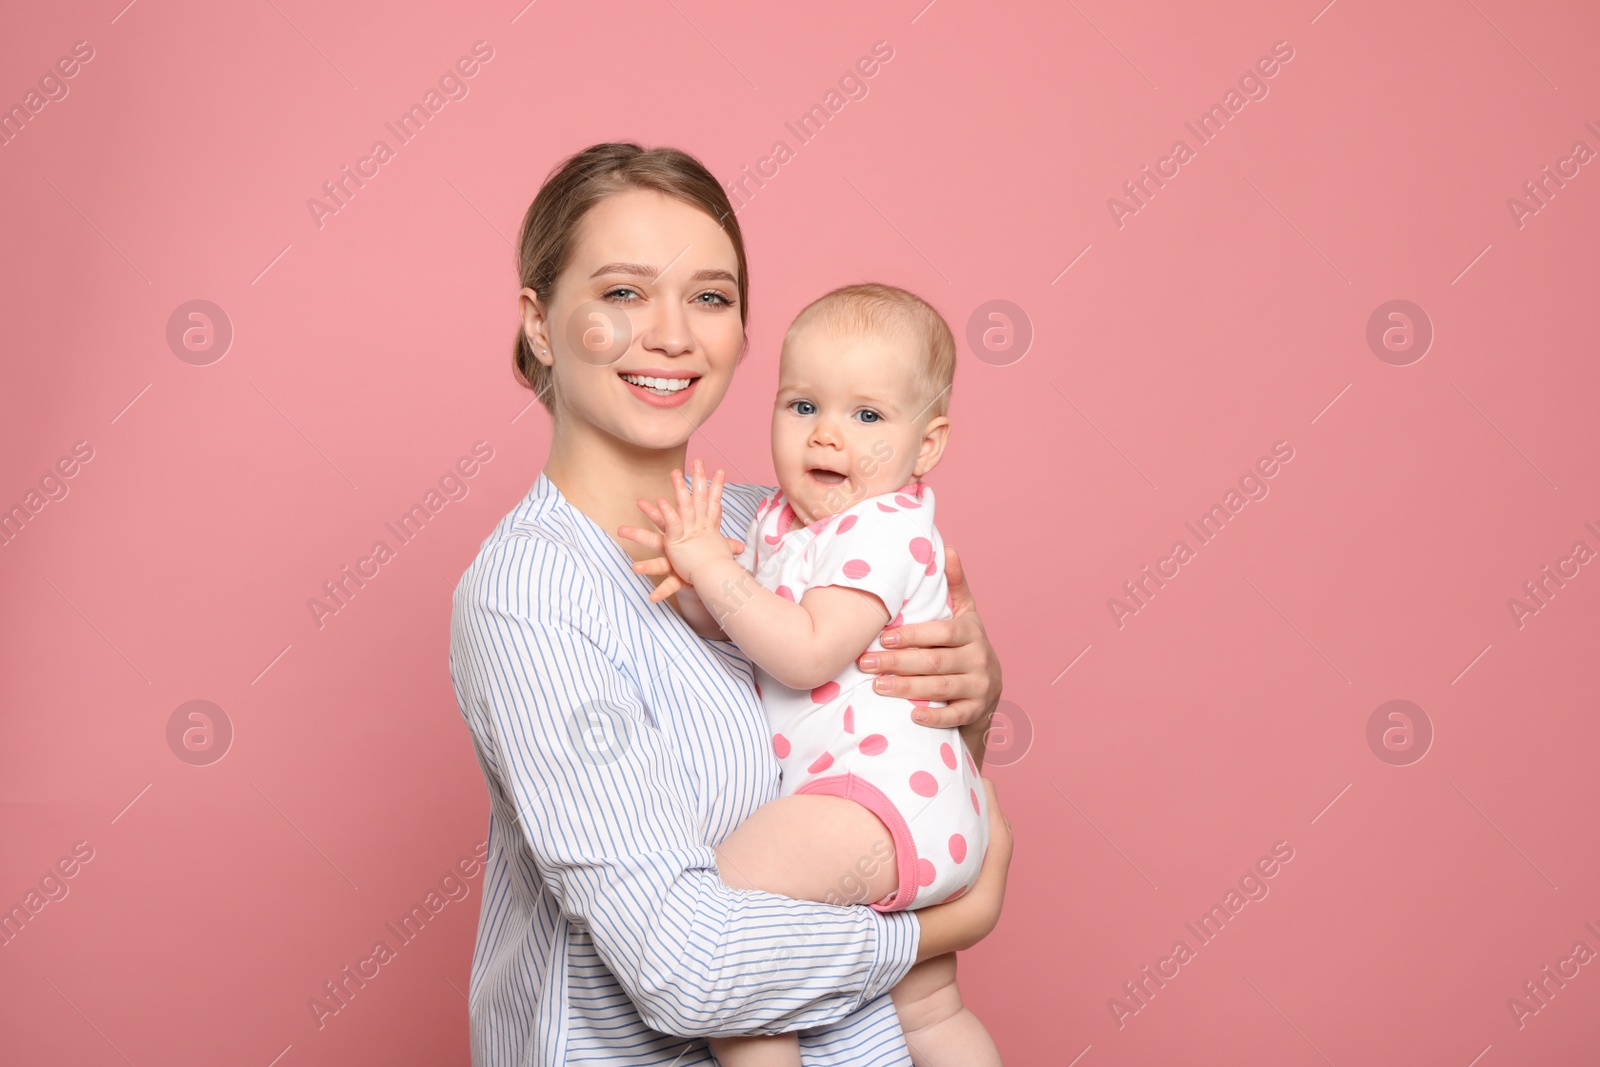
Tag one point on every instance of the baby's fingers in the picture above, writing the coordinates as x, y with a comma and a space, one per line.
672, 526
714, 509
647, 538
669, 585
685, 497
651, 512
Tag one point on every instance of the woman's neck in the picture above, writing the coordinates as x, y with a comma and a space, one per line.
605, 478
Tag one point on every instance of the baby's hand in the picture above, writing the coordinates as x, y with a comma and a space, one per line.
691, 541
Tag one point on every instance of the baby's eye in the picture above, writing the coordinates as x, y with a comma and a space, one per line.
803, 407
868, 415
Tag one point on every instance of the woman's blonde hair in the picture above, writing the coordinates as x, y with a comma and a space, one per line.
550, 226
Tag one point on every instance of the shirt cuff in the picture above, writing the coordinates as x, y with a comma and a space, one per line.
899, 933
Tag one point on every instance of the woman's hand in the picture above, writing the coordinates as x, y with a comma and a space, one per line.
969, 918
949, 660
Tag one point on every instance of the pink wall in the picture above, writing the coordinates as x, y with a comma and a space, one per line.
1175, 343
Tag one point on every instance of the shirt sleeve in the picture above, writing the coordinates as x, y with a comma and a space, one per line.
607, 811
888, 554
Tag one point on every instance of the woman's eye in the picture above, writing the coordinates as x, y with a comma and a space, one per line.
619, 292
717, 298
868, 415
803, 407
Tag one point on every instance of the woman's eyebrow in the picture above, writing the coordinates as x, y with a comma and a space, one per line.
643, 271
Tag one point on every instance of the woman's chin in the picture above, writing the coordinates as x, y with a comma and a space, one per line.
669, 428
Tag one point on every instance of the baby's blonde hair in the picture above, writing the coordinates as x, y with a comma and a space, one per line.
886, 309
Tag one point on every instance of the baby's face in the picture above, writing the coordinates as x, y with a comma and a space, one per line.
851, 419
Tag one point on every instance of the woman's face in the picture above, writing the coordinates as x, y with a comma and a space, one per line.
643, 325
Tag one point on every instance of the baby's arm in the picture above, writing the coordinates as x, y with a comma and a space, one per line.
801, 645
698, 616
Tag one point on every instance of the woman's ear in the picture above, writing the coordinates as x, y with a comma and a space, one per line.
535, 325
929, 452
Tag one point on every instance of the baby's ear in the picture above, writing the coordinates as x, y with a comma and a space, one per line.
931, 450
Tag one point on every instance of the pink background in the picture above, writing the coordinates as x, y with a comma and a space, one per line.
1229, 313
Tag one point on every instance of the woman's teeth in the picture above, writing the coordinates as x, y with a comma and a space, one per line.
659, 386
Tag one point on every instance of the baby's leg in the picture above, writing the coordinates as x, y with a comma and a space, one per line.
812, 846
940, 1030
779, 1050
822, 848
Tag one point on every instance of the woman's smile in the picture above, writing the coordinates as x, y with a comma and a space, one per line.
660, 388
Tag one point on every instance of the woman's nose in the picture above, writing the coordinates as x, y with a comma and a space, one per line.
667, 330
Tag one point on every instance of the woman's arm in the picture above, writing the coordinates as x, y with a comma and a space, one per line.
608, 813
969, 918
949, 660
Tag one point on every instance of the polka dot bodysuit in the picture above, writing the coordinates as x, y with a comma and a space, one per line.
845, 739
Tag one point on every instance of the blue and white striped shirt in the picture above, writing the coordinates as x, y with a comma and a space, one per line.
619, 748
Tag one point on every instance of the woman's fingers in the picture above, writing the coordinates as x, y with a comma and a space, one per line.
948, 660
955, 714
955, 577
735, 545
658, 565
941, 633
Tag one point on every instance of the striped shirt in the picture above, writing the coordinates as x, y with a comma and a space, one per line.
619, 748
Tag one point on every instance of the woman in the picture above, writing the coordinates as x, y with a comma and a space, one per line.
618, 747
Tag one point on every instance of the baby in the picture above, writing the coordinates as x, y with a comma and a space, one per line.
876, 808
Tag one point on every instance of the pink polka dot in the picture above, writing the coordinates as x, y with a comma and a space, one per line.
973, 767
873, 744
953, 896
948, 754
849, 719
925, 872
958, 847
973, 793
921, 549
856, 568
920, 703
898, 620
846, 522
825, 692
780, 745
907, 502
885, 507
787, 593
758, 690
824, 761
924, 784
785, 519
